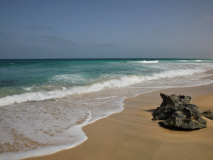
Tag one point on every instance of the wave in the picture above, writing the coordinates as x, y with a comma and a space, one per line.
197, 60
76, 131
143, 61
72, 78
28, 88
121, 82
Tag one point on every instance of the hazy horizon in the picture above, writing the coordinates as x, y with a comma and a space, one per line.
106, 58
45, 29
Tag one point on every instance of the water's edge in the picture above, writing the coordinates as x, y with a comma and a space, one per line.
109, 93
119, 111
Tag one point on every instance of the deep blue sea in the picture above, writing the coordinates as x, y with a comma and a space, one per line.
45, 103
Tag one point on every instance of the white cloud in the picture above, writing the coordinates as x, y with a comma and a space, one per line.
55, 40
100, 45
38, 27
208, 18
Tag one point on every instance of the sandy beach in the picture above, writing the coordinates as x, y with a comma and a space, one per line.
132, 134
81, 80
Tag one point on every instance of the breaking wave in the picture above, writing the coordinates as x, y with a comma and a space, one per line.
121, 82
143, 61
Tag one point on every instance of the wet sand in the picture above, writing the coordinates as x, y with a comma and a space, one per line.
132, 135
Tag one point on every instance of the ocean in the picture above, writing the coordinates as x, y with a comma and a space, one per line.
45, 103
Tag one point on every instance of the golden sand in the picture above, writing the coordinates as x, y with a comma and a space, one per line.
132, 135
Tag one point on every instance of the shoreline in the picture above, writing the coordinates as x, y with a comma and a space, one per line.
131, 134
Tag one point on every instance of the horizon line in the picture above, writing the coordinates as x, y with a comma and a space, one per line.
100, 58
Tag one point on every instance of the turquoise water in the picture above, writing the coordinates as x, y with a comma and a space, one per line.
49, 101
20, 76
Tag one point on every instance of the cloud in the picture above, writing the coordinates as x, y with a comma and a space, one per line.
7, 35
38, 27
101, 45
55, 40
208, 18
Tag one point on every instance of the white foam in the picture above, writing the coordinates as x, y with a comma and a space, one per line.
68, 78
75, 131
28, 88
54, 142
106, 97
144, 61
53, 115
121, 82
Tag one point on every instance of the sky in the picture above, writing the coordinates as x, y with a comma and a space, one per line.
106, 29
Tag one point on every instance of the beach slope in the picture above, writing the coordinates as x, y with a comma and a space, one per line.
132, 134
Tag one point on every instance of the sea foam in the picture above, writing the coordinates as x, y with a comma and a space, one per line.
144, 61
52, 118
121, 82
